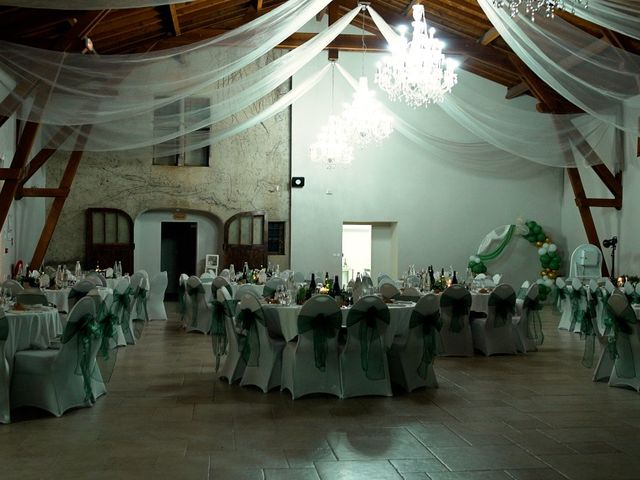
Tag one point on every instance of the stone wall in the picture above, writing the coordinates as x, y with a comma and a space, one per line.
247, 172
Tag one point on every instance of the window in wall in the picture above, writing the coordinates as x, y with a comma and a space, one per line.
276, 238
189, 149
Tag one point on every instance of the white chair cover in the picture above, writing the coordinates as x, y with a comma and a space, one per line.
206, 276
5, 377
384, 278
527, 330
272, 285
364, 368
586, 261
494, 334
389, 291
411, 357
12, 285
97, 278
138, 297
122, 305
313, 367
598, 309
225, 274
246, 289
626, 369
261, 352
32, 296
57, 380
155, 302
182, 298
80, 290
455, 337
198, 310
234, 364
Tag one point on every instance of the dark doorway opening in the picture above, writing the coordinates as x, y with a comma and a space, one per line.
178, 249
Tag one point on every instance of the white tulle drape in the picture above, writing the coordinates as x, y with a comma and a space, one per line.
620, 15
87, 4
599, 78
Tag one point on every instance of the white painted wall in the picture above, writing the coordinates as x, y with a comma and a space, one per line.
624, 223
442, 212
147, 238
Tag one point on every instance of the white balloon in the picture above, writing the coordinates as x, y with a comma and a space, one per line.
545, 245
548, 283
477, 260
553, 247
542, 251
472, 258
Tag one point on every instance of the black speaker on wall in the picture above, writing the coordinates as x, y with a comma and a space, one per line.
297, 182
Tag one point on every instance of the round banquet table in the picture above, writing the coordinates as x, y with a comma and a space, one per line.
35, 328
283, 320
60, 298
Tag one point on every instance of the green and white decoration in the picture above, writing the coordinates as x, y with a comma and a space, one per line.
549, 257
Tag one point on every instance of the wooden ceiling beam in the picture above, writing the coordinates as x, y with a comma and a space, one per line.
489, 36
82, 28
174, 22
11, 102
257, 5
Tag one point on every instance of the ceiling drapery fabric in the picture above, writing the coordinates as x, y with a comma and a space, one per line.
87, 4
622, 16
599, 78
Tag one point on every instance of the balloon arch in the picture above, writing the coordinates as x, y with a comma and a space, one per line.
550, 259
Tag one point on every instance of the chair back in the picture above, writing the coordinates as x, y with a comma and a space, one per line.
319, 321
389, 291
218, 283
12, 285
423, 327
31, 296
158, 284
246, 289
502, 305
455, 303
384, 278
586, 261
593, 285
144, 273
272, 285
251, 323
80, 290
609, 287
367, 323
97, 278
207, 276
560, 283
137, 280
410, 293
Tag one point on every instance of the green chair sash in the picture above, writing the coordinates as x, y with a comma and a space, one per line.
430, 323
504, 309
577, 309
561, 295
193, 293
85, 330
107, 355
621, 328
373, 323
246, 321
459, 310
533, 323
120, 306
218, 330
324, 327
588, 333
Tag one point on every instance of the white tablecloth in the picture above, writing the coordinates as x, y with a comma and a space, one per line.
480, 302
60, 298
283, 320
234, 288
30, 329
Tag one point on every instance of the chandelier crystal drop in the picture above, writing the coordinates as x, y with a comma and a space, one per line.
333, 145
417, 70
364, 117
547, 8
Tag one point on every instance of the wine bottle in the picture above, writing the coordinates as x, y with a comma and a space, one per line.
454, 279
336, 288
432, 278
312, 285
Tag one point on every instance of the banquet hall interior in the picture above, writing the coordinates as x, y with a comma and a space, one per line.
396, 149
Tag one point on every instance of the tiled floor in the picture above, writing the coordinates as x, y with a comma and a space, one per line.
526, 417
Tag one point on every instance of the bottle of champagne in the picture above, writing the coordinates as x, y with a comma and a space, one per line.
312, 285
335, 289
326, 280
454, 279
432, 278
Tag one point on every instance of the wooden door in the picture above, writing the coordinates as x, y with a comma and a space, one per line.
245, 240
109, 238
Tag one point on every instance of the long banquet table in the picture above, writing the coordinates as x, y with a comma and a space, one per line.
35, 328
60, 297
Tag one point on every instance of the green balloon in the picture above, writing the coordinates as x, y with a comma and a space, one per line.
545, 258
541, 237
537, 229
530, 224
555, 265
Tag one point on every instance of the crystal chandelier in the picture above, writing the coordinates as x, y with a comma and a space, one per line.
540, 7
417, 71
333, 145
365, 118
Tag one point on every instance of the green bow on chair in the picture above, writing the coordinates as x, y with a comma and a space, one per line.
532, 307
430, 323
587, 331
246, 322
577, 310
373, 323
193, 293
459, 309
621, 325
218, 330
120, 306
323, 327
85, 330
504, 308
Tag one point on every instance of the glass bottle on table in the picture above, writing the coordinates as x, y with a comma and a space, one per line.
232, 273
312, 284
454, 278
